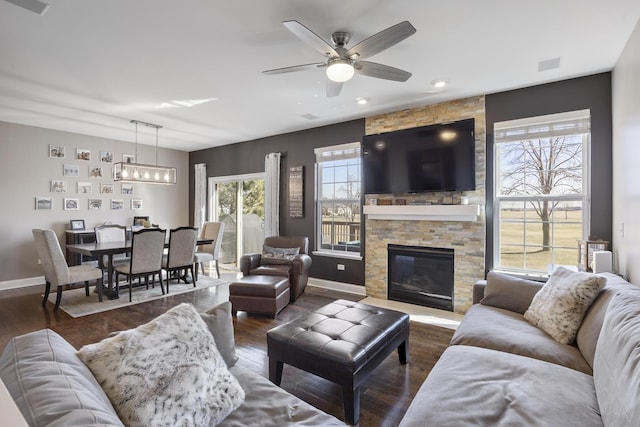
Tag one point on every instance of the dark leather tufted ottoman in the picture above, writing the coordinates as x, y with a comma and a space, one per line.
259, 294
343, 342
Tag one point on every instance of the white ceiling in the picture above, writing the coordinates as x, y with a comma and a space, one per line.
91, 66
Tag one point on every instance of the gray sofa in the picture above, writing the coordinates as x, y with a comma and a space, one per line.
52, 387
501, 371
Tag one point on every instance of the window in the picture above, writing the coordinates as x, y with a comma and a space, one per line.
541, 191
338, 199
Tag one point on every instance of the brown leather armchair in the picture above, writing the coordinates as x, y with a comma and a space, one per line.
297, 271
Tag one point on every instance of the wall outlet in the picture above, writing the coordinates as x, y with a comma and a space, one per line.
39, 261
340, 267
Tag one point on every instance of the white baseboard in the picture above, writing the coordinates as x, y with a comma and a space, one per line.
21, 283
337, 286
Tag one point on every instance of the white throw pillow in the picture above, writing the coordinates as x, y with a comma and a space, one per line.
165, 372
558, 308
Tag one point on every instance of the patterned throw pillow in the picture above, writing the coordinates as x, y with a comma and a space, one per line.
558, 308
277, 255
165, 372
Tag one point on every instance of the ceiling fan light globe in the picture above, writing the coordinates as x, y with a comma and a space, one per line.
340, 71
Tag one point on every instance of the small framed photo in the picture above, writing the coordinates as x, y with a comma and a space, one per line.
84, 187
71, 204
106, 156
70, 170
44, 203
95, 204
95, 172
106, 188
127, 188
58, 186
56, 151
76, 224
83, 154
136, 204
117, 204
128, 158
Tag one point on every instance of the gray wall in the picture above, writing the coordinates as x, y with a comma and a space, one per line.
26, 171
591, 92
626, 160
297, 147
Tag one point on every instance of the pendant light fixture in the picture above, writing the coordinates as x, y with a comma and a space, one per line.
144, 173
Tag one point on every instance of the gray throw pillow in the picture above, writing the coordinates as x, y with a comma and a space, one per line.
560, 305
167, 371
219, 320
275, 256
508, 292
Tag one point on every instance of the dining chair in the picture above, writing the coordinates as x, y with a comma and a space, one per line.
56, 270
209, 252
147, 247
112, 233
182, 248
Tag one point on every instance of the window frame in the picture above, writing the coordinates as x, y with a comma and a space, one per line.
345, 151
498, 199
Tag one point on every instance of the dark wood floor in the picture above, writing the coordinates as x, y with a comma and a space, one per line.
384, 397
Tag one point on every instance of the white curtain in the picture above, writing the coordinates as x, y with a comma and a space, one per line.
272, 194
200, 199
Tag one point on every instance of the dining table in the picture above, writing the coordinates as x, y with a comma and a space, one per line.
109, 249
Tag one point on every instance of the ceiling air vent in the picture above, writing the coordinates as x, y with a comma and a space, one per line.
309, 116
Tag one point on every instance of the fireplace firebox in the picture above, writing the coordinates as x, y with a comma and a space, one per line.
421, 275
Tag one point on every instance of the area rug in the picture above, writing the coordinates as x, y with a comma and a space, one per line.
76, 304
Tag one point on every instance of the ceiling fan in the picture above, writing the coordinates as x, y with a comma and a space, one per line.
342, 63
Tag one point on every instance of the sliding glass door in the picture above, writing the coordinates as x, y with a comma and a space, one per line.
238, 202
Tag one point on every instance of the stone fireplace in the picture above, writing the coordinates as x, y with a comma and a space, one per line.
438, 220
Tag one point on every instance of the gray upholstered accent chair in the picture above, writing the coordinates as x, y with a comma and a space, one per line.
55, 267
297, 270
210, 252
147, 248
182, 248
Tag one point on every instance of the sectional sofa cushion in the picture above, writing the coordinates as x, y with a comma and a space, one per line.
504, 330
50, 384
558, 308
166, 369
508, 292
617, 361
220, 323
477, 386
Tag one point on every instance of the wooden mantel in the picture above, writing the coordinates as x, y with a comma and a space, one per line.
423, 212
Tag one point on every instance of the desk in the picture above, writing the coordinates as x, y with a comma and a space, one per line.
98, 250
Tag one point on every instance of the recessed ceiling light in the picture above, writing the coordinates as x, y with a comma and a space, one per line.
362, 101
439, 83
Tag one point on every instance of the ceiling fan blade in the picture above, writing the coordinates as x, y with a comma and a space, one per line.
333, 88
34, 6
294, 68
310, 38
382, 40
373, 69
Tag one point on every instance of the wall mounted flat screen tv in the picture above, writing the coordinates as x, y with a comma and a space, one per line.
423, 159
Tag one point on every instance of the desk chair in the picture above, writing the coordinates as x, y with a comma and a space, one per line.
55, 267
210, 252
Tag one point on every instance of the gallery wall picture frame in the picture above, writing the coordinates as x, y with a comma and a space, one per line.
69, 169
117, 204
71, 204
106, 156
127, 189
58, 186
95, 172
57, 151
136, 204
106, 188
44, 203
128, 158
95, 204
84, 187
296, 192
83, 154
76, 224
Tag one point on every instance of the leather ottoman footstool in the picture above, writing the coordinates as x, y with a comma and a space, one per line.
259, 294
342, 342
